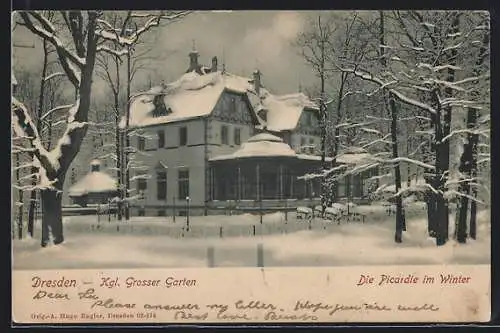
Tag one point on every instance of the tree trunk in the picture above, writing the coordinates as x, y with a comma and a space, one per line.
430, 201
325, 188
408, 168
400, 217
118, 157
474, 138
336, 140
466, 170
52, 216
445, 146
34, 170
127, 140
473, 175
461, 223
430, 196
441, 217
31, 213
473, 211
20, 202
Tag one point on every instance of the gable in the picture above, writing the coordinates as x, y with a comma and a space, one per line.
308, 122
234, 108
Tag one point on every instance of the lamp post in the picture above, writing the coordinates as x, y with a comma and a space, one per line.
188, 199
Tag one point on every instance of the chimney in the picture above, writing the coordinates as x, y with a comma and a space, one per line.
95, 166
256, 81
193, 60
214, 65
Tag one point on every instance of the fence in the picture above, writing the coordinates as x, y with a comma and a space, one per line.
180, 229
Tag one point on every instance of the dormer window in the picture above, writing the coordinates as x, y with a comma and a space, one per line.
262, 114
160, 109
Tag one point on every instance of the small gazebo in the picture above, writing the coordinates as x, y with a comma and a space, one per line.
96, 187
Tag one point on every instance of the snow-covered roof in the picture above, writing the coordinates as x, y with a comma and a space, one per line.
195, 95
313, 157
260, 145
415, 184
355, 156
93, 182
283, 112
355, 159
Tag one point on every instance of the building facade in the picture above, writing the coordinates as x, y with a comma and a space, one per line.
180, 130
179, 127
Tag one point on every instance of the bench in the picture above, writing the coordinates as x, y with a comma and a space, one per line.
304, 213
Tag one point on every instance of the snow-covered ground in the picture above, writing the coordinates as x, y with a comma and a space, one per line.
159, 242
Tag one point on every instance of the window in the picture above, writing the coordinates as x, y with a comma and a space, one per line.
141, 143
237, 136
183, 136
341, 189
161, 212
142, 212
183, 181
302, 144
262, 114
142, 184
161, 185
308, 118
232, 105
311, 146
161, 139
223, 135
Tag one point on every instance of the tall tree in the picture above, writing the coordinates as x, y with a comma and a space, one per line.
390, 102
88, 35
468, 160
322, 46
314, 45
424, 53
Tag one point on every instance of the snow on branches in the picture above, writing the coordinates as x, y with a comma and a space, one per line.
24, 126
128, 34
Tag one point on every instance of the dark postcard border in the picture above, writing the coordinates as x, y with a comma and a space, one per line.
203, 5
249, 5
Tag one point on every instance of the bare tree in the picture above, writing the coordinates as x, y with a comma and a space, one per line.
426, 73
113, 73
321, 46
47, 93
469, 159
87, 33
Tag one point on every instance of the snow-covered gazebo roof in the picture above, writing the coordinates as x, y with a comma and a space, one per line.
260, 145
94, 182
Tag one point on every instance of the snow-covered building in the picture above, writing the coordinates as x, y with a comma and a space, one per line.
180, 126
361, 175
187, 131
96, 187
